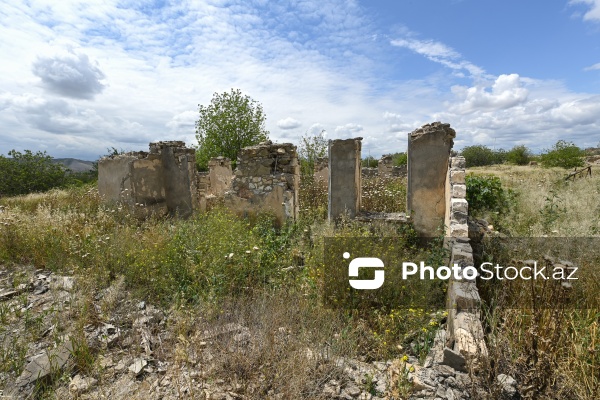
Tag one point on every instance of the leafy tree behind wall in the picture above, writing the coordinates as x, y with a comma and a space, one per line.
22, 173
229, 123
311, 148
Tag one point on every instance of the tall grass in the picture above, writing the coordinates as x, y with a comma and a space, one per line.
551, 349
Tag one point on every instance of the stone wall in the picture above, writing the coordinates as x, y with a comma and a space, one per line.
267, 178
464, 335
428, 153
162, 181
386, 167
344, 177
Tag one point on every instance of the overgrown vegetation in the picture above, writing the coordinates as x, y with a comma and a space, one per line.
564, 155
225, 269
480, 155
485, 195
28, 172
543, 334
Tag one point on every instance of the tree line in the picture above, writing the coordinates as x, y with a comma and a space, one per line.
563, 154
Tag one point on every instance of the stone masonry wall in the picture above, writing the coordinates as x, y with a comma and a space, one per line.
464, 336
267, 178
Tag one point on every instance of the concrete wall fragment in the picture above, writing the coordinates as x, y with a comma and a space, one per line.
162, 181
428, 153
344, 177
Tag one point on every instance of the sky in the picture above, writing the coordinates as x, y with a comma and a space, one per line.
80, 77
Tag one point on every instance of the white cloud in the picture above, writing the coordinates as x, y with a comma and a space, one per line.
148, 67
439, 53
593, 14
592, 67
288, 123
348, 129
69, 74
316, 129
505, 92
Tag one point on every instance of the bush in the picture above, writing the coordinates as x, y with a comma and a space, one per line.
480, 155
519, 155
26, 172
485, 193
564, 155
400, 159
369, 162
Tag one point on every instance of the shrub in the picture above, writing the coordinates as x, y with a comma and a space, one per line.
485, 193
480, 155
519, 155
26, 172
563, 154
311, 148
369, 162
400, 159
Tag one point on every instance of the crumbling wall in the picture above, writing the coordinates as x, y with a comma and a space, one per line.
344, 177
162, 181
214, 183
267, 178
386, 167
428, 153
464, 336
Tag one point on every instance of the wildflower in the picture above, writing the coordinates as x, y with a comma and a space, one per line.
405, 358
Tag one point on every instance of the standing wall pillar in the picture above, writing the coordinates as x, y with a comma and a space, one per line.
344, 177
428, 154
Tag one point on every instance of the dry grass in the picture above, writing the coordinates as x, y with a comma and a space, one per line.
546, 204
551, 349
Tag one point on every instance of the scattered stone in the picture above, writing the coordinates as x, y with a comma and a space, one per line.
138, 366
79, 385
454, 360
508, 384
44, 364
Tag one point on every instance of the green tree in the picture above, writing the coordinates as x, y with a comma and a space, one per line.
23, 173
229, 123
311, 148
369, 162
519, 155
400, 159
563, 154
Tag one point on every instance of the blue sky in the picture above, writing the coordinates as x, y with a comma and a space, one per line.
79, 77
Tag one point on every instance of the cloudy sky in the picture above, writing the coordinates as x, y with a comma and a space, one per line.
79, 77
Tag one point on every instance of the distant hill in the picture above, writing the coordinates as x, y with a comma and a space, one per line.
74, 164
